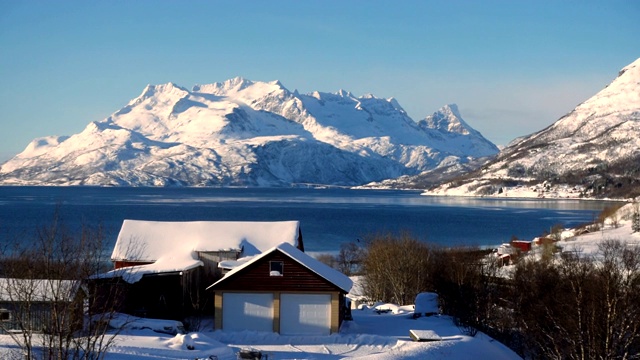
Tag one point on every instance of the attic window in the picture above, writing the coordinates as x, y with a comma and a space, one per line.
276, 268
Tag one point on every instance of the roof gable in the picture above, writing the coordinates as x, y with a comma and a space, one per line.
329, 274
152, 240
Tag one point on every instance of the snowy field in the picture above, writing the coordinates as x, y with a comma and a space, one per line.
369, 336
588, 243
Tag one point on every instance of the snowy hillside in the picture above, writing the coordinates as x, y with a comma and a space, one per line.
245, 133
593, 151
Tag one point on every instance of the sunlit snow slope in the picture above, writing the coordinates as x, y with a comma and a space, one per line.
592, 151
245, 133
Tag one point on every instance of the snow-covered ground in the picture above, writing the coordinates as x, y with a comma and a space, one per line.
369, 336
588, 243
540, 191
585, 243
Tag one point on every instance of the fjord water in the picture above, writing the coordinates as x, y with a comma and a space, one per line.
328, 217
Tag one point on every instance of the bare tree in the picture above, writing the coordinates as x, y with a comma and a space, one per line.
396, 269
44, 285
611, 213
635, 218
349, 258
328, 259
581, 307
467, 288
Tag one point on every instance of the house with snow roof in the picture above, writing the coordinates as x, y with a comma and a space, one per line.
164, 267
282, 290
38, 304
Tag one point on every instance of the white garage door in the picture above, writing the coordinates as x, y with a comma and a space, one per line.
305, 314
242, 311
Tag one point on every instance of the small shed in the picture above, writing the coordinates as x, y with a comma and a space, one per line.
282, 290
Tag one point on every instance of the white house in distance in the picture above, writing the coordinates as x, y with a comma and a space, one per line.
165, 266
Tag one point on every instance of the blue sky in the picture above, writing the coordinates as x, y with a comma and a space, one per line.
513, 67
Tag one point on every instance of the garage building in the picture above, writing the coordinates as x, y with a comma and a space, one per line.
282, 290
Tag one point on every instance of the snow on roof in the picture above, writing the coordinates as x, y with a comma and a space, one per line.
181, 261
333, 276
231, 264
171, 246
39, 290
149, 241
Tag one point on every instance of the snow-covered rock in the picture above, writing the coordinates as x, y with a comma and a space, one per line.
245, 133
592, 151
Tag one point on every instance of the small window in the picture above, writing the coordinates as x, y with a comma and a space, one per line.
276, 268
5, 315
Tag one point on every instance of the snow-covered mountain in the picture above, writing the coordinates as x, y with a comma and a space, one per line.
592, 151
245, 133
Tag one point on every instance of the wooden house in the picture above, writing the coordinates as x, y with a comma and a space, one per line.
522, 245
161, 269
282, 290
40, 304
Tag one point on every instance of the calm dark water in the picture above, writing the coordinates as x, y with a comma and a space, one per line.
328, 217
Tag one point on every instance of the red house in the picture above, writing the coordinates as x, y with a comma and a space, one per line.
521, 245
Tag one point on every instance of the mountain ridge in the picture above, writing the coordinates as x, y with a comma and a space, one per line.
243, 133
593, 151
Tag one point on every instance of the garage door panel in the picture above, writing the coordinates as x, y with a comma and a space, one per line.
305, 314
247, 311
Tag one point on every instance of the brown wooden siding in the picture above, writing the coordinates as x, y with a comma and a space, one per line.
295, 278
124, 263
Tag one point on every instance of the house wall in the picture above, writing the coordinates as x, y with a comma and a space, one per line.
295, 278
34, 316
38, 316
521, 245
171, 296
210, 259
120, 264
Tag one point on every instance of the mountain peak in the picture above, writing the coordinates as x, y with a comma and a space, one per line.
633, 65
153, 90
238, 85
276, 83
448, 119
451, 109
344, 93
